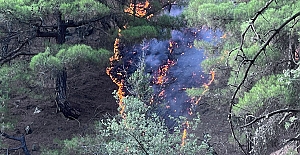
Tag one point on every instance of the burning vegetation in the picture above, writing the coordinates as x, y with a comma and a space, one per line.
138, 9
184, 133
169, 77
119, 78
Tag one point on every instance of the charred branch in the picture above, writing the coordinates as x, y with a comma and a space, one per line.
15, 53
294, 139
251, 25
21, 140
140, 144
46, 34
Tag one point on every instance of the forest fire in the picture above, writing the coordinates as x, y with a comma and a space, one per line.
119, 82
184, 133
170, 48
139, 9
162, 72
116, 56
161, 76
206, 86
174, 65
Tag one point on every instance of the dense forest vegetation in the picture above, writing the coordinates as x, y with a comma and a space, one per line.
252, 96
260, 53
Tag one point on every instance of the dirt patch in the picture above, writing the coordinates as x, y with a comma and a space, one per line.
89, 91
215, 123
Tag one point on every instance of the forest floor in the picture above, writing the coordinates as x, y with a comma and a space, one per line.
90, 91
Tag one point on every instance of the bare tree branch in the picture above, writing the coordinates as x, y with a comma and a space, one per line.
140, 144
13, 54
270, 114
21, 139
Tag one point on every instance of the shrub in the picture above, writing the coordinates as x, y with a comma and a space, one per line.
139, 133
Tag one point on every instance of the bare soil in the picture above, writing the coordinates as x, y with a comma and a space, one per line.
89, 91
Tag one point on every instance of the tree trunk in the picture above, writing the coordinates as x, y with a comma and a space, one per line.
61, 30
61, 96
61, 79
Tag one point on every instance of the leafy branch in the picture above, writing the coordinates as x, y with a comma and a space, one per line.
251, 62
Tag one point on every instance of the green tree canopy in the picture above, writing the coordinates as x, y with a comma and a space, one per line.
68, 56
260, 42
74, 9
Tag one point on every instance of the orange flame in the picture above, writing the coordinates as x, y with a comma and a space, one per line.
162, 72
190, 112
186, 124
162, 93
170, 47
151, 15
120, 84
140, 9
224, 36
116, 56
206, 86
184, 134
212, 78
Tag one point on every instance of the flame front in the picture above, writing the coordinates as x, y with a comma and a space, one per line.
186, 124
212, 73
139, 9
119, 83
162, 72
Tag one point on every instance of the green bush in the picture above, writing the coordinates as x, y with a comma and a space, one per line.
74, 55
196, 92
13, 79
139, 84
138, 133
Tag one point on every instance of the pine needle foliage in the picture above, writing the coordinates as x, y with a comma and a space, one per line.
69, 56
267, 88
